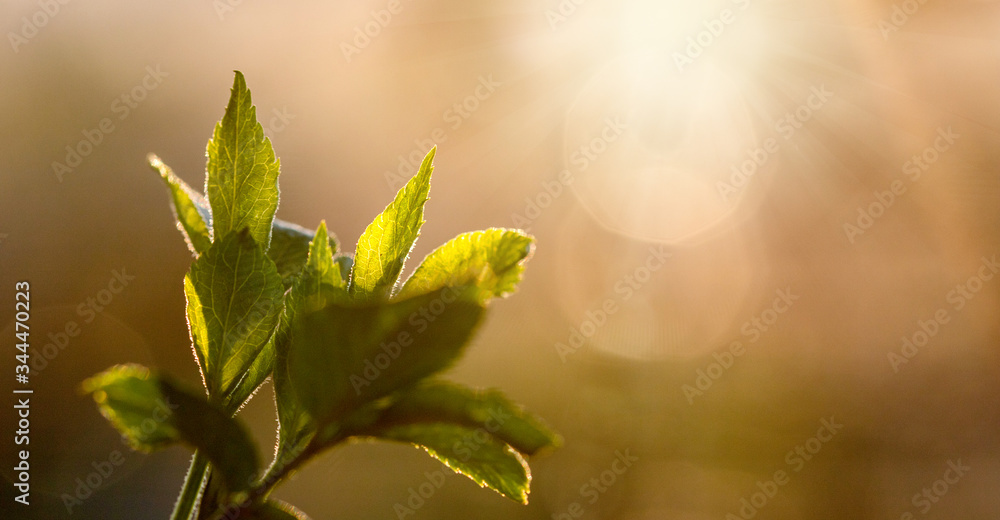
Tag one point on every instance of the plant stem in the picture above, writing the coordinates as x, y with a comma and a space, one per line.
274, 476
193, 484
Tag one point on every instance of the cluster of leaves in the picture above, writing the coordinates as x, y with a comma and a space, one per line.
352, 350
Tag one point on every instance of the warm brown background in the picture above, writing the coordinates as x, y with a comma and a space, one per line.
654, 187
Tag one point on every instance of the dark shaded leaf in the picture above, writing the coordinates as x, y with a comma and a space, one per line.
490, 410
320, 279
153, 412
473, 453
345, 355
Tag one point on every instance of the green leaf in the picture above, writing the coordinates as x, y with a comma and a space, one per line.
242, 183
152, 412
190, 208
289, 250
320, 279
290, 247
345, 355
289, 242
488, 410
488, 462
322, 270
234, 297
273, 510
385, 244
491, 260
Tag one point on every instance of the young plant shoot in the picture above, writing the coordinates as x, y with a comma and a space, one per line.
353, 351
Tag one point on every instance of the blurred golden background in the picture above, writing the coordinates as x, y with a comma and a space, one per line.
767, 234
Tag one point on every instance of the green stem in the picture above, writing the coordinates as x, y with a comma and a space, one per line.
193, 484
273, 477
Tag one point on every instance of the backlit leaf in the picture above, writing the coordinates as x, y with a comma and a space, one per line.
290, 247
234, 298
242, 183
385, 244
491, 260
190, 208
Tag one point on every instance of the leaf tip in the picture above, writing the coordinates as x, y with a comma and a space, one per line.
158, 165
427, 165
